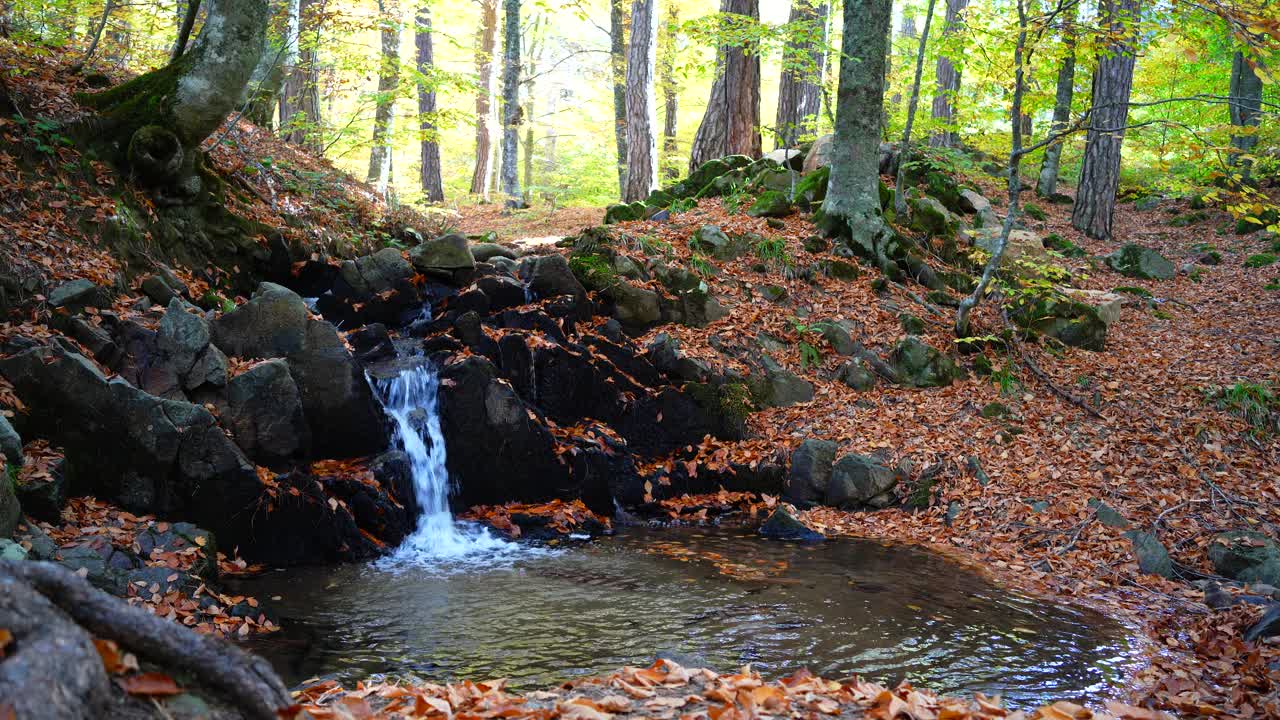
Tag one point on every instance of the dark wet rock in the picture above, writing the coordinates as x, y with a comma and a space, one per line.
394, 472
94, 338
181, 537
339, 407
486, 251
10, 510
1268, 625
781, 525
43, 499
371, 343
103, 565
635, 307
859, 480
51, 669
182, 342
776, 386
921, 365
42, 547
1140, 262
1152, 556
158, 291
550, 276
444, 254
811, 465
1217, 598
265, 415
663, 351
837, 335
10, 443
377, 273
76, 295
856, 374
502, 292
1247, 556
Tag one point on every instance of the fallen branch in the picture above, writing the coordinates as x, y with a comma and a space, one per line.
248, 681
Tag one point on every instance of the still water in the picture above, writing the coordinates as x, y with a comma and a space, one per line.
713, 598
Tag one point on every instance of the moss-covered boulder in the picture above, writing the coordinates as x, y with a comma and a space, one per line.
775, 386
930, 217
919, 364
1136, 261
1247, 556
811, 191
711, 240
626, 212
1063, 318
771, 204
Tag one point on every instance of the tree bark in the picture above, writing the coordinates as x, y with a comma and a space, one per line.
670, 93
906, 31
384, 120
1047, 184
948, 82
430, 173
804, 60
184, 30
642, 110
1112, 83
1246, 111
511, 112
904, 151
731, 123
852, 207
266, 85
300, 101
618, 66
486, 119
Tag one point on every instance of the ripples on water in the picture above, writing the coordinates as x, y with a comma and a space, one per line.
718, 599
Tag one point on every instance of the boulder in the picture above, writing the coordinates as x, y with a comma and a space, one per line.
859, 480
820, 154
550, 276
340, 409
771, 204
1058, 316
447, 254
775, 386
782, 156
1153, 558
1246, 555
10, 511
812, 189
931, 217
1268, 625
782, 525
502, 292
635, 307
1141, 262
711, 240
44, 498
811, 465
10, 443
157, 290
376, 273
1022, 245
971, 201
264, 412
486, 251
837, 335
183, 343
76, 295
919, 364
857, 375
1106, 304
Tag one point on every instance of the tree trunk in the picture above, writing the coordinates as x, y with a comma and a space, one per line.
384, 120
731, 124
289, 60
184, 30
1246, 111
300, 101
529, 113
511, 111
618, 66
852, 207
667, 50
642, 110
1047, 184
907, 31
904, 151
948, 82
432, 183
97, 35
1112, 83
265, 85
154, 124
486, 119
804, 62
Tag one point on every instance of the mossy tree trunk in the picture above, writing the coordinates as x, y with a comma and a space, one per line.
154, 124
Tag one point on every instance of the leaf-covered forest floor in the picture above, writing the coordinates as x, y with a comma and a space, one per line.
1159, 452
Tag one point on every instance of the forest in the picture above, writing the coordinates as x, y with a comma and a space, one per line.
614, 359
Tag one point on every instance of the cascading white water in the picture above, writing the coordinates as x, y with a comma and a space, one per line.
410, 399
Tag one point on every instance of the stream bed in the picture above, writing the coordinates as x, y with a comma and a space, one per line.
718, 598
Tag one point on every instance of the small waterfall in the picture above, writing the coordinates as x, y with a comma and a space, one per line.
410, 400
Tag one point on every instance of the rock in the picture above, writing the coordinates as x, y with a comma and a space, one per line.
1267, 626
10, 550
811, 191
930, 216
782, 156
339, 407
76, 295
180, 537
1246, 555
1109, 516
51, 668
265, 415
781, 525
10, 511
971, 201
711, 240
182, 341
10, 443
486, 251
1106, 304
776, 386
837, 336
857, 480
377, 273
810, 471
857, 375
1153, 558
551, 276
44, 499
911, 324
921, 365
771, 204
157, 290
820, 154
1217, 598
1022, 245
447, 254
625, 212
1058, 316
1137, 261
635, 307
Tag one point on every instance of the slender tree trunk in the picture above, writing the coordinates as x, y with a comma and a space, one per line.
670, 93
289, 64
530, 96
1047, 184
384, 121
618, 66
549, 153
486, 118
1112, 83
904, 152
184, 30
803, 64
429, 174
97, 35
852, 207
511, 104
731, 123
907, 31
266, 85
642, 111
948, 82
300, 101
1246, 111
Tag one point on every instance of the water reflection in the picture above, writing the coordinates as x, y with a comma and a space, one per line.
715, 598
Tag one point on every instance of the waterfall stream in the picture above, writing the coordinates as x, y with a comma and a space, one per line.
410, 400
